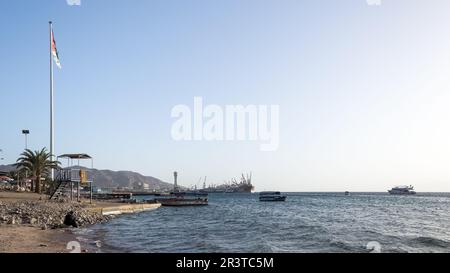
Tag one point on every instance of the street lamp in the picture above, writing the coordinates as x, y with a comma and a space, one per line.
26, 133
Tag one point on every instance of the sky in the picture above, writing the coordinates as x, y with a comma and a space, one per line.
363, 90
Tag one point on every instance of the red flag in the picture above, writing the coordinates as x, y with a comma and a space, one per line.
55, 51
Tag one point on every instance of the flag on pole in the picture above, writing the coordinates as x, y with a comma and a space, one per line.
55, 51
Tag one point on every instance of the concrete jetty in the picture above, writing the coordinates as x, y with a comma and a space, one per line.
116, 209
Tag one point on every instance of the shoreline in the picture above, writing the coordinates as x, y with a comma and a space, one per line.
29, 239
29, 223
94, 242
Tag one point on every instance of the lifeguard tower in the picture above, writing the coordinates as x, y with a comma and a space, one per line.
70, 179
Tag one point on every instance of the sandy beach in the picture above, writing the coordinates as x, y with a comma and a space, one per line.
27, 239
11, 197
29, 223
22, 238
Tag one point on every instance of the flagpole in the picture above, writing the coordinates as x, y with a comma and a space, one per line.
51, 101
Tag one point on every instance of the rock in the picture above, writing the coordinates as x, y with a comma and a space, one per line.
71, 220
47, 213
12, 221
43, 245
98, 244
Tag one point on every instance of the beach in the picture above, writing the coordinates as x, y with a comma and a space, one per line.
28, 239
306, 222
29, 223
23, 230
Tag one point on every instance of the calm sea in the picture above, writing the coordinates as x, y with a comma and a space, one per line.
306, 222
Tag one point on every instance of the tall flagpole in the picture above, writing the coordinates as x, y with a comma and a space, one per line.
52, 131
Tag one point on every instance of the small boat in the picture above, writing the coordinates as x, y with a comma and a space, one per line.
178, 198
271, 196
184, 199
402, 190
347, 193
182, 202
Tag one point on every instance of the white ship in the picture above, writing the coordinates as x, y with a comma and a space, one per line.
402, 190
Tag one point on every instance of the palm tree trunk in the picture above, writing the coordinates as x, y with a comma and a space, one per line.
38, 184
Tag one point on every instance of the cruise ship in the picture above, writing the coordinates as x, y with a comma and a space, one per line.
402, 190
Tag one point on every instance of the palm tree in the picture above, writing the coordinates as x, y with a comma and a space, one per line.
38, 163
18, 174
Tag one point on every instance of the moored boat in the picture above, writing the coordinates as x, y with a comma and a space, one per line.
402, 190
178, 199
271, 196
178, 202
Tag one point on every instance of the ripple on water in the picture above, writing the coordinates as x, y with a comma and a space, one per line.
316, 223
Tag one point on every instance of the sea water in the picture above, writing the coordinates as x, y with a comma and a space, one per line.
306, 222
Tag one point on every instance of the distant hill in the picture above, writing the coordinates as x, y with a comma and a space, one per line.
6, 168
122, 179
127, 179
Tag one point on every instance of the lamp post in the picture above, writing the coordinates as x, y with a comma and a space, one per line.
26, 133
175, 181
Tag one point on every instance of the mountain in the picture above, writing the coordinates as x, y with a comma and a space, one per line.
7, 168
118, 179
127, 179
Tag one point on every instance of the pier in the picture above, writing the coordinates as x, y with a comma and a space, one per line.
116, 209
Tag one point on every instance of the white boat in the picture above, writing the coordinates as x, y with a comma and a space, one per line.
271, 196
402, 190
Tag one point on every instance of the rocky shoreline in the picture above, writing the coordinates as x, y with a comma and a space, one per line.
47, 214
30, 223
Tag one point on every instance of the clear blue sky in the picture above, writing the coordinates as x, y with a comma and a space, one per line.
363, 90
